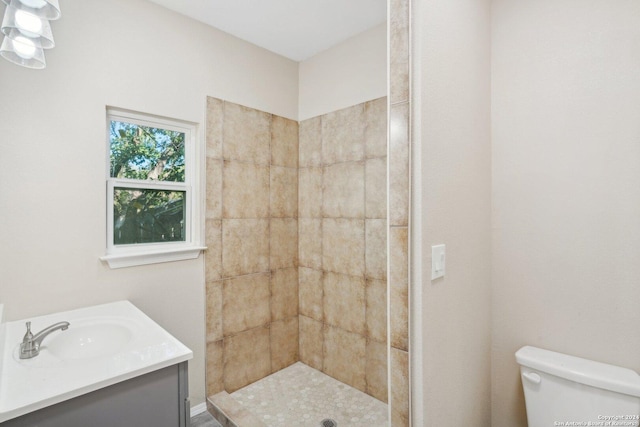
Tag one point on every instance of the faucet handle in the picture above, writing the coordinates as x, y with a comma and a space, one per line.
28, 336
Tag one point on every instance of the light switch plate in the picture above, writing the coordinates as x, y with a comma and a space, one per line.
438, 261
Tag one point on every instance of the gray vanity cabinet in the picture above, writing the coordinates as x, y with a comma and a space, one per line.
156, 399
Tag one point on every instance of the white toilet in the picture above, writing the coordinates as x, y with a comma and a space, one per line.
562, 390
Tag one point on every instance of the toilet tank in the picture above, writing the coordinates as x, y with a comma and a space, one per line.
562, 390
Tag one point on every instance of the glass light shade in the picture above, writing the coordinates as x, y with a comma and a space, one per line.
22, 22
45, 9
23, 51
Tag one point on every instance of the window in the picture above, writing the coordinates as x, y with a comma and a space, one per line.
151, 190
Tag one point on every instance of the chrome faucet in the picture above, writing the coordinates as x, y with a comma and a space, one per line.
30, 346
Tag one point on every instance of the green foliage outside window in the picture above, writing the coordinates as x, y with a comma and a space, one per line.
145, 153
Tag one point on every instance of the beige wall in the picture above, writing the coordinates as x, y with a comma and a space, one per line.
131, 54
566, 192
347, 74
452, 155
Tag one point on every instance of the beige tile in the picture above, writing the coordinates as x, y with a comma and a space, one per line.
213, 253
310, 193
245, 246
376, 370
400, 384
311, 342
399, 48
284, 293
376, 187
214, 310
343, 135
398, 420
214, 188
399, 287
245, 303
399, 165
246, 358
310, 149
343, 190
284, 192
247, 133
214, 368
245, 190
310, 297
343, 246
344, 356
376, 248
215, 117
310, 242
377, 310
283, 243
284, 343
375, 134
344, 302
284, 142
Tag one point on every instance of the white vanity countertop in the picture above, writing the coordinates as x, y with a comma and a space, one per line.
104, 345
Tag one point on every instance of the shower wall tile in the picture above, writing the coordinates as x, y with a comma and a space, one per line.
375, 134
283, 192
284, 343
399, 165
310, 242
214, 368
399, 388
311, 291
247, 358
376, 296
246, 134
399, 48
241, 293
245, 246
376, 187
344, 302
284, 293
283, 241
310, 193
376, 370
245, 190
343, 246
343, 135
284, 142
343, 190
214, 310
376, 248
215, 115
213, 254
214, 189
344, 356
310, 143
311, 342
399, 287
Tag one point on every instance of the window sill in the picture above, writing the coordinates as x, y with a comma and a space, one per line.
152, 257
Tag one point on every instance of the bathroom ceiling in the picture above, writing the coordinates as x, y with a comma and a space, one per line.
296, 29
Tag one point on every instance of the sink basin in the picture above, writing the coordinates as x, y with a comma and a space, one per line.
87, 341
104, 345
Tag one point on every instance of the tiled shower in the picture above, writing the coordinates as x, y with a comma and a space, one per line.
296, 234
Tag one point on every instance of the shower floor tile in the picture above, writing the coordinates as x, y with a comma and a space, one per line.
302, 396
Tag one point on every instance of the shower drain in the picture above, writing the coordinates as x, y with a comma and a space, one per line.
327, 422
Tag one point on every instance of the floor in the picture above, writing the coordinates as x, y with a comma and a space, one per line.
204, 419
303, 397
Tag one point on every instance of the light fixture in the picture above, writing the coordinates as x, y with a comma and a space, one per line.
46, 9
27, 31
23, 51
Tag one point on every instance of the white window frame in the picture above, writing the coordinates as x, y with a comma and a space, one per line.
118, 256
